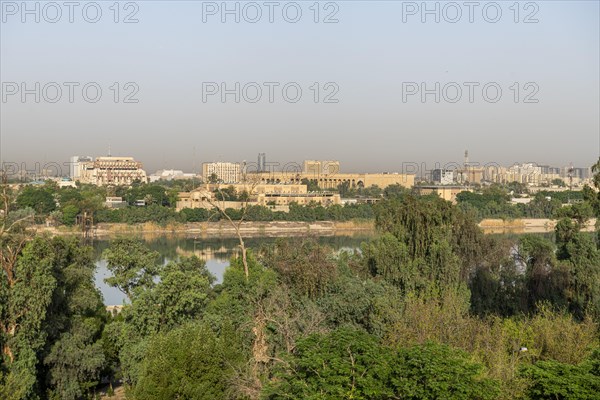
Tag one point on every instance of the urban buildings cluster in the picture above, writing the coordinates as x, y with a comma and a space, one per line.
527, 173
271, 185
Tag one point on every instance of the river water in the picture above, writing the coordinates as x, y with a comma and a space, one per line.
216, 252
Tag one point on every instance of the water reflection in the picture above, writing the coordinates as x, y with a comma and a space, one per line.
216, 252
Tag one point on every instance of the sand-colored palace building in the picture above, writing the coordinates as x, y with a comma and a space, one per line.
111, 171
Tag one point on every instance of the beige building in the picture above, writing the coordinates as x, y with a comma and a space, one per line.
226, 172
260, 188
471, 174
447, 193
334, 180
111, 171
317, 168
202, 198
279, 197
324, 199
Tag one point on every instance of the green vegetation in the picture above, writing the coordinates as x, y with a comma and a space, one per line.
430, 308
493, 202
51, 317
63, 206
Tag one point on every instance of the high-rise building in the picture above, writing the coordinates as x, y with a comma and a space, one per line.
262, 163
442, 176
112, 171
225, 172
582, 173
75, 164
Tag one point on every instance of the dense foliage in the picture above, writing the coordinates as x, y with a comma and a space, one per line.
430, 308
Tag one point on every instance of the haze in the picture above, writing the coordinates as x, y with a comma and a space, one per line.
369, 54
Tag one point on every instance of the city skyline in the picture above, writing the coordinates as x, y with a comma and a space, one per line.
232, 171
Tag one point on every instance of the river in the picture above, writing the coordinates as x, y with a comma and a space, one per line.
216, 252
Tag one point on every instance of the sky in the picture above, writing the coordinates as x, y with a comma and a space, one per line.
374, 84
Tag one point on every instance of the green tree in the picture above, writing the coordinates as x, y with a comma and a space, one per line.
312, 185
26, 292
189, 362
345, 364
51, 315
303, 265
213, 178
181, 294
69, 214
425, 242
552, 380
132, 264
41, 199
350, 364
434, 371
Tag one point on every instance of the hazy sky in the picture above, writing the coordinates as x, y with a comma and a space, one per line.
375, 61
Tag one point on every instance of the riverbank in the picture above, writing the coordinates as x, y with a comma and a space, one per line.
528, 225
224, 229
288, 228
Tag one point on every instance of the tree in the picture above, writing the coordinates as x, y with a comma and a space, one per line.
38, 198
180, 295
75, 361
213, 178
51, 315
303, 265
311, 184
395, 191
417, 248
132, 264
26, 293
69, 214
554, 380
344, 364
434, 371
546, 280
236, 223
596, 172
350, 364
189, 362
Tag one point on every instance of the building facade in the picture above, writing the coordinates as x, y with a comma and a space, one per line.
280, 196
75, 164
118, 171
442, 176
318, 168
447, 193
170, 175
332, 181
262, 163
225, 172
260, 188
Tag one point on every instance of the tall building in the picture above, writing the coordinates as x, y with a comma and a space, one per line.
75, 164
225, 172
442, 176
582, 173
262, 163
112, 171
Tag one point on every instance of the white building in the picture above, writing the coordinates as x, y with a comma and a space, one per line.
442, 176
226, 172
169, 175
75, 166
